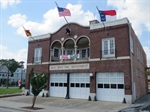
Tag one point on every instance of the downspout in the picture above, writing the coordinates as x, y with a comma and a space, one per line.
132, 81
47, 93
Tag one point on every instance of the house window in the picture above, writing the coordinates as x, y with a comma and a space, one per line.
108, 47
69, 52
83, 53
131, 44
37, 54
56, 52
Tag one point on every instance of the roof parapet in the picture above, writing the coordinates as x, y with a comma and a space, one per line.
107, 24
39, 37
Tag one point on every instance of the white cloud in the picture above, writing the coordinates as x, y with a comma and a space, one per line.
137, 11
147, 51
20, 55
51, 20
5, 3
17, 20
51, 23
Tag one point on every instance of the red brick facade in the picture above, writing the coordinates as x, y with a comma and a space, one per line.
131, 64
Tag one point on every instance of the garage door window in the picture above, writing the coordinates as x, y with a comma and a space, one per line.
113, 86
106, 85
100, 85
52, 84
120, 86
82, 85
87, 85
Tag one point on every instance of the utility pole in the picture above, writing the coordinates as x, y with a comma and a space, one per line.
21, 63
8, 75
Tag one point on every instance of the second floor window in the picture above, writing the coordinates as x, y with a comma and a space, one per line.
69, 52
37, 54
108, 47
56, 52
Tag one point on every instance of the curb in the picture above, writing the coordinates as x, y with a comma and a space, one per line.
19, 109
10, 95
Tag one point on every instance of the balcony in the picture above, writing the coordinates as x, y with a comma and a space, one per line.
70, 50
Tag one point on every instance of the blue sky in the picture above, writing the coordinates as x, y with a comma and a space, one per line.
41, 16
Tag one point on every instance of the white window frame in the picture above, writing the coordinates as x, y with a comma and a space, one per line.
80, 52
108, 40
68, 50
59, 52
37, 54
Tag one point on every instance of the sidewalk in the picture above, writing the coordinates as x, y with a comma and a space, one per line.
51, 104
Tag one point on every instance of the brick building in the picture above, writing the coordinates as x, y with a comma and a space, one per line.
102, 63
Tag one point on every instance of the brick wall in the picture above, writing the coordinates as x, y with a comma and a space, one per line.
122, 45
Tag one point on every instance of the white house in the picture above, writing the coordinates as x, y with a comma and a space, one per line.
20, 74
4, 72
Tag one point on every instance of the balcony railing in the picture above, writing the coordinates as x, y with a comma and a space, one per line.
69, 57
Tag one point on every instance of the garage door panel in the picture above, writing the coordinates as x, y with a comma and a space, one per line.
110, 86
58, 85
79, 85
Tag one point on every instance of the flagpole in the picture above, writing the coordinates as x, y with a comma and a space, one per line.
103, 23
63, 16
30, 36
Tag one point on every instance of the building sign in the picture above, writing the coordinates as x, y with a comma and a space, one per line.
70, 66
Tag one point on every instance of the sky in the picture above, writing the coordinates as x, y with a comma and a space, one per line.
41, 17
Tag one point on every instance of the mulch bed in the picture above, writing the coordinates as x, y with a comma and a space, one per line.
35, 108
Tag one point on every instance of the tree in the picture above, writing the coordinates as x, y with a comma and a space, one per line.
148, 71
38, 83
12, 64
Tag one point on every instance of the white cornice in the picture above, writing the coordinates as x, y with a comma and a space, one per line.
48, 35
90, 60
110, 23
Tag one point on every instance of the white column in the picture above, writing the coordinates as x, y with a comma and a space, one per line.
75, 53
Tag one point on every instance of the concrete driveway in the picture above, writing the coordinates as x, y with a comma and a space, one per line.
52, 104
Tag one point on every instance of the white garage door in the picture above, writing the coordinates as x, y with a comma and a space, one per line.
110, 86
58, 85
79, 85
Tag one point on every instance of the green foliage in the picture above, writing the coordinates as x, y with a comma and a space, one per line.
9, 90
148, 71
22, 85
12, 64
38, 82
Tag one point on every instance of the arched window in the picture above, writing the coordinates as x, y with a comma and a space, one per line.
56, 51
83, 49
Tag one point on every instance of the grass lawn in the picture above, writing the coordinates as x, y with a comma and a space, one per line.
10, 90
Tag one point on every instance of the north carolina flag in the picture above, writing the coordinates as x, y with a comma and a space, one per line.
63, 12
107, 15
28, 33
